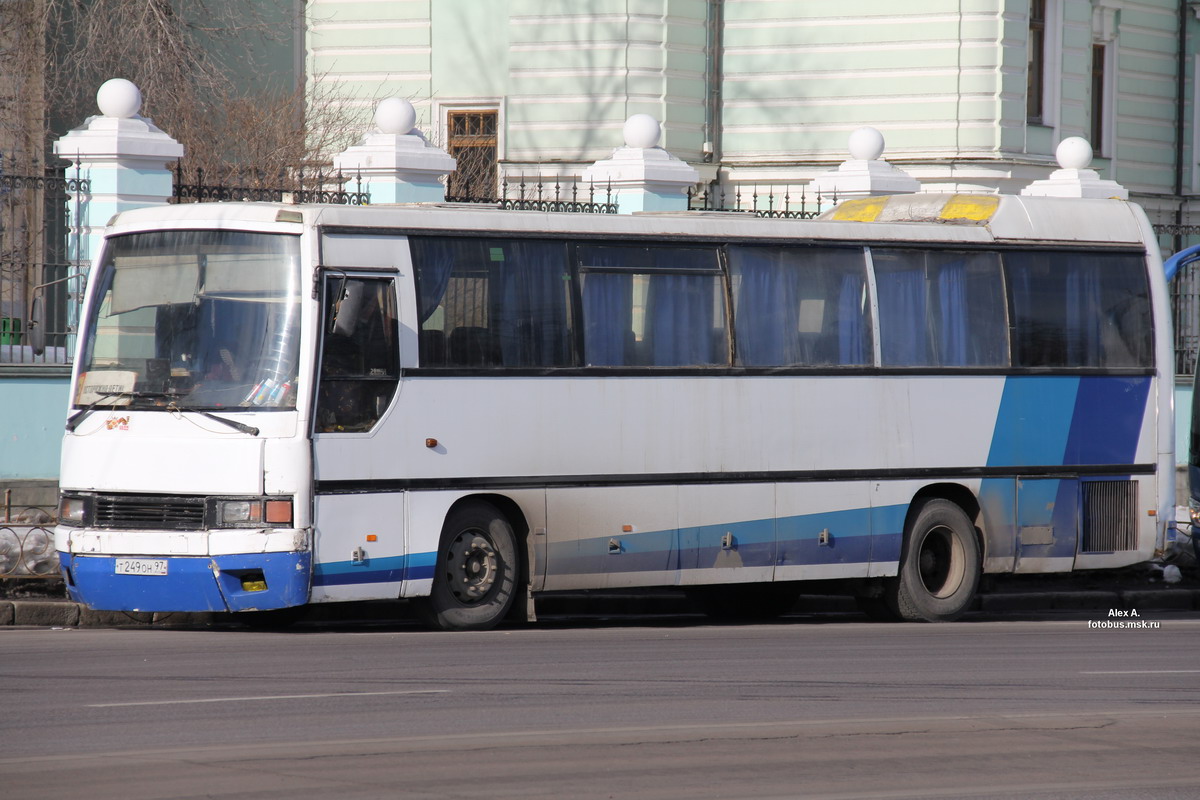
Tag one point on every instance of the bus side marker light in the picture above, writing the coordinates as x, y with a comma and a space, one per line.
627, 529
372, 537
431, 442
1152, 513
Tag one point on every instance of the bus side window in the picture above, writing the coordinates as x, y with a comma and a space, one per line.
360, 354
653, 306
800, 306
491, 303
1080, 309
941, 308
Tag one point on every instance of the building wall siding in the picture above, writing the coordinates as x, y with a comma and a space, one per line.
945, 80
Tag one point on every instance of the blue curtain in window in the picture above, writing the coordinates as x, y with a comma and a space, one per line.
679, 320
851, 328
433, 260
902, 316
1084, 314
531, 315
954, 334
768, 307
608, 319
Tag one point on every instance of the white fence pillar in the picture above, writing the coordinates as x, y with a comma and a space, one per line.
642, 175
865, 173
397, 164
125, 158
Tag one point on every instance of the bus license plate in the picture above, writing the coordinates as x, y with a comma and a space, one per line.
141, 566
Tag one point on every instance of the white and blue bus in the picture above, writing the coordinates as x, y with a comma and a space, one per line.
278, 405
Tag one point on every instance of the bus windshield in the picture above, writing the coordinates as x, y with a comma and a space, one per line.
194, 320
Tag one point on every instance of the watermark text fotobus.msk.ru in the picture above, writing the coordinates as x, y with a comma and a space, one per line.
1128, 619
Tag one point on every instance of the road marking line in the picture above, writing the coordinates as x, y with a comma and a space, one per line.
263, 697
1143, 672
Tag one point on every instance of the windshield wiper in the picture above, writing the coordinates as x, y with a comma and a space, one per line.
172, 405
76, 418
175, 405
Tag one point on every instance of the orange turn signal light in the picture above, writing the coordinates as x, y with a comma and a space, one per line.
279, 512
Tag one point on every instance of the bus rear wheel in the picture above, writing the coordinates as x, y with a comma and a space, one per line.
475, 579
940, 566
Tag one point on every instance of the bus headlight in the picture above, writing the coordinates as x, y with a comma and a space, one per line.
254, 512
235, 512
72, 509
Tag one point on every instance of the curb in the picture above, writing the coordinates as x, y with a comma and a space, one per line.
67, 614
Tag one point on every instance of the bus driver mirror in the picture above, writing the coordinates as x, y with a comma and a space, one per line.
36, 329
343, 316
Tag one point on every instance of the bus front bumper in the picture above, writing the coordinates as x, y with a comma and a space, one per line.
238, 582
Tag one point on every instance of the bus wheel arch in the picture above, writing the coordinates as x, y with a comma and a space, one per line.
941, 557
480, 569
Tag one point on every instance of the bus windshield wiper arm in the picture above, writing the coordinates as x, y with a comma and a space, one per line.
174, 405
76, 418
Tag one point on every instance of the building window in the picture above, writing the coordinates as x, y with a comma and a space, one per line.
472, 142
1106, 20
1035, 93
1099, 107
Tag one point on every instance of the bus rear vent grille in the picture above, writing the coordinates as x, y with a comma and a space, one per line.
1109, 516
149, 512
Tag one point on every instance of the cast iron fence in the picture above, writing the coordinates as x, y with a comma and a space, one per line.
37, 242
771, 202
523, 194
27, 551
253, 185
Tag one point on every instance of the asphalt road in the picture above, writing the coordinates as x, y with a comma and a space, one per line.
1049, 708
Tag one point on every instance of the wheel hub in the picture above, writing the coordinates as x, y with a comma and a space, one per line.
941, 562
472, 566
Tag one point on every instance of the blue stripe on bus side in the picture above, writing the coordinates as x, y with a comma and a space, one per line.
1033, 422
849, 538
1068, 421
651, 551
416, 566
1107, 420
754, 541
797, 544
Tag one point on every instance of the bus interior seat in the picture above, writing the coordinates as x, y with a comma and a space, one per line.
470, 346
432, 347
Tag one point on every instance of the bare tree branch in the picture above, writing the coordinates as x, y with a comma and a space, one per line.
55, 54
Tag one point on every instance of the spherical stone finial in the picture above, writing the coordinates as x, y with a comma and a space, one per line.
641, 131
395, 115
119, 98
1074, 153
866, 144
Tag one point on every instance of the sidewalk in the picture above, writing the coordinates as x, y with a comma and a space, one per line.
1138, 589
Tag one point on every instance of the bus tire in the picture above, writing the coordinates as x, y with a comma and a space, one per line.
474, 582
940, 566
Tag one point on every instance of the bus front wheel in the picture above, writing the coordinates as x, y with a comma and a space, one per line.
940, 566
475, 579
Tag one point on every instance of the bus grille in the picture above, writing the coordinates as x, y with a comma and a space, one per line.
149, 512
1109, 516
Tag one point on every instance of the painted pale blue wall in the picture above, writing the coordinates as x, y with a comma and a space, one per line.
32, 413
